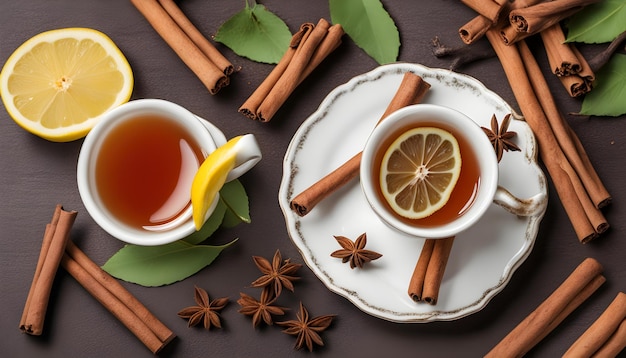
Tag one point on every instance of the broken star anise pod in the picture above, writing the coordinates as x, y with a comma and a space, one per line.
261, 310
354, 252
500, 138
206, 311
277, 274
307, 331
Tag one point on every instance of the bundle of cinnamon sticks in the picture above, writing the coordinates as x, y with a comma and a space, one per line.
528, 17
579, 187
57, 249
307, 49
202, 58
429, 269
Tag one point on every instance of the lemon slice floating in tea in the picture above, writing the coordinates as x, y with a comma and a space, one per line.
57, 83
210, 178
419, 171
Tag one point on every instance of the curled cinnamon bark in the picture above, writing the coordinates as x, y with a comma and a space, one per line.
488, 9
411, 91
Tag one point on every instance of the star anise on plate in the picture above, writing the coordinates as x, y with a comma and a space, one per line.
261, 310
277, 274
354, 252
307, 331
206, 311
501, 137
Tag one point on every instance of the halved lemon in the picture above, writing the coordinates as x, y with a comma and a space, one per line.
419, 171
210, 178
57, 83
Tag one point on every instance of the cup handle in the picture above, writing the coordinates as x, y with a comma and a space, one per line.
248, 154
520, 207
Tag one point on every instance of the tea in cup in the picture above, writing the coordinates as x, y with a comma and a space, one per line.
137, 164
411, 194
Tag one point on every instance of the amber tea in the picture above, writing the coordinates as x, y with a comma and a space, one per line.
144, 171
464, 192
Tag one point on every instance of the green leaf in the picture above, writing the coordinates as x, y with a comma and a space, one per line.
598, 23
255, 33
235, 199
369, 25
609, 92
213, 223
161, 265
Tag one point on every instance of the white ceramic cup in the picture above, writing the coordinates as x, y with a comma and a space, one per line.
488, 191
206, 135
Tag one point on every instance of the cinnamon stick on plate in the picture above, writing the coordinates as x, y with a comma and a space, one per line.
115, 298
213, 77
606, 337
411, 91
574, 290
55, 238
429, 270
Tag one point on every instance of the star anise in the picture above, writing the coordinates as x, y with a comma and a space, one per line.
261, 310
501, 138
307, 330
354, 252
277, 274
206, 311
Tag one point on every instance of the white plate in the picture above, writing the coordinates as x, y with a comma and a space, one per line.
483, 258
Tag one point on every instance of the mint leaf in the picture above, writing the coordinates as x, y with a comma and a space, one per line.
161, 265
255, 33
598, 23
233, 196
369, 25
607, 96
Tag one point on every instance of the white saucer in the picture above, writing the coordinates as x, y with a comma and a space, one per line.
483, 258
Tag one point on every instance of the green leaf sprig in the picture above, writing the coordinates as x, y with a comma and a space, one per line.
255, 33
600, 23
165, 264
369, 25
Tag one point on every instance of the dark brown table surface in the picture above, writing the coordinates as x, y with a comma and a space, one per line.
36, 174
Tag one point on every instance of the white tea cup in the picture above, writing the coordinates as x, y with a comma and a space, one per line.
196, 136
487, 190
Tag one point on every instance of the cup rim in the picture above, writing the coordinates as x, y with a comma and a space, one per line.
478, 140
86, 168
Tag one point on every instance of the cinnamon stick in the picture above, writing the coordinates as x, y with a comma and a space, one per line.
603, 338
122, 294
115, 298
551, 153
563, 61
311, 46
253, 102
478, 26
208, 72
567, 139
412, 90
429, 270
574, 290
55, 238
212, 53
535, 18
488, 9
